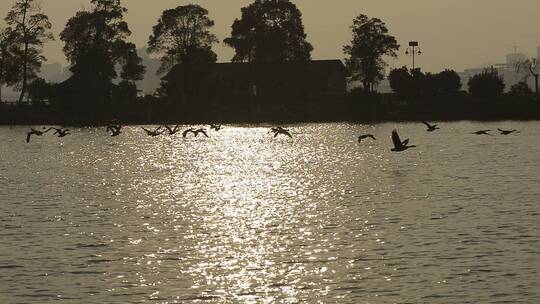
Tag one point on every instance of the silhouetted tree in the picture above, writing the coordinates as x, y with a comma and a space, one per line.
39, 91
269, 31
486, 85
33, 30
369, 44
182, 35
95, 42
520, 89
131, 62
400, 81
448, 82
414, 84
531, 67
10, 71
125, 93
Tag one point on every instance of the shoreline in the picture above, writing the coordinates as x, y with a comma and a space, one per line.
266, 122
321, 111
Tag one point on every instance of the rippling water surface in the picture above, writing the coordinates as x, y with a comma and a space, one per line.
242, 217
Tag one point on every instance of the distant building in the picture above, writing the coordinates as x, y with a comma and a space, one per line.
233, 81
507, 70
514, 58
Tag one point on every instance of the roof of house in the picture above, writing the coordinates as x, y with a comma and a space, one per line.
85, 82
239, 69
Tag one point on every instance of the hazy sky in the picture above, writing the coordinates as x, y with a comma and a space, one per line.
454, 34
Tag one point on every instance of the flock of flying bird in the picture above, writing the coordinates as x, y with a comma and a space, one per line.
402, 145
116, 129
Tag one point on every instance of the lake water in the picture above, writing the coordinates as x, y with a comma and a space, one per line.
242, 217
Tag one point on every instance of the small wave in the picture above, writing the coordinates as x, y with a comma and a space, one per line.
91, 245
10, 266
87, 272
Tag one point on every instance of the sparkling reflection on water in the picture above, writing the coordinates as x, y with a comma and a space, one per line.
242, 217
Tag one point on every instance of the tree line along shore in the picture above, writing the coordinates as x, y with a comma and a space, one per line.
271, 77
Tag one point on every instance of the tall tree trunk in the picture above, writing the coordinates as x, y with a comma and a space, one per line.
25, 58
536, 83
25, 73
1, 75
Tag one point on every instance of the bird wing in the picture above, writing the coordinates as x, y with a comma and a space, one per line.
427, 124
203, 132
287, 133
405, 142
396, 140
366, 136
185, 133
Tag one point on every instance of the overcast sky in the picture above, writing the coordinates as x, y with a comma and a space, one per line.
454, 34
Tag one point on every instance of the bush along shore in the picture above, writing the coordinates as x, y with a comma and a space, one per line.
356, 107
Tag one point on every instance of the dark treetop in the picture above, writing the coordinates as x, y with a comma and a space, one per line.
182, 36
269, 31
369, 44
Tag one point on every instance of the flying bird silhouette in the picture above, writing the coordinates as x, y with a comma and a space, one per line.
215, 127
195, 132
36, 132
362, 137
172, 131
115, 130
61, 132
508, 132
398, 144
430, 127
279, 130
153, 133
482, 132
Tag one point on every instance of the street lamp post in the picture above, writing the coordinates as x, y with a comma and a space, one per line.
414, 51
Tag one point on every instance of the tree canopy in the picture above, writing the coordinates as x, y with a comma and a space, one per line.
10, 71
269, 31
521, 90
182, 35
95, 42
31, 29
531, 67
370, 42
448, 82
486, 85
414, 84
